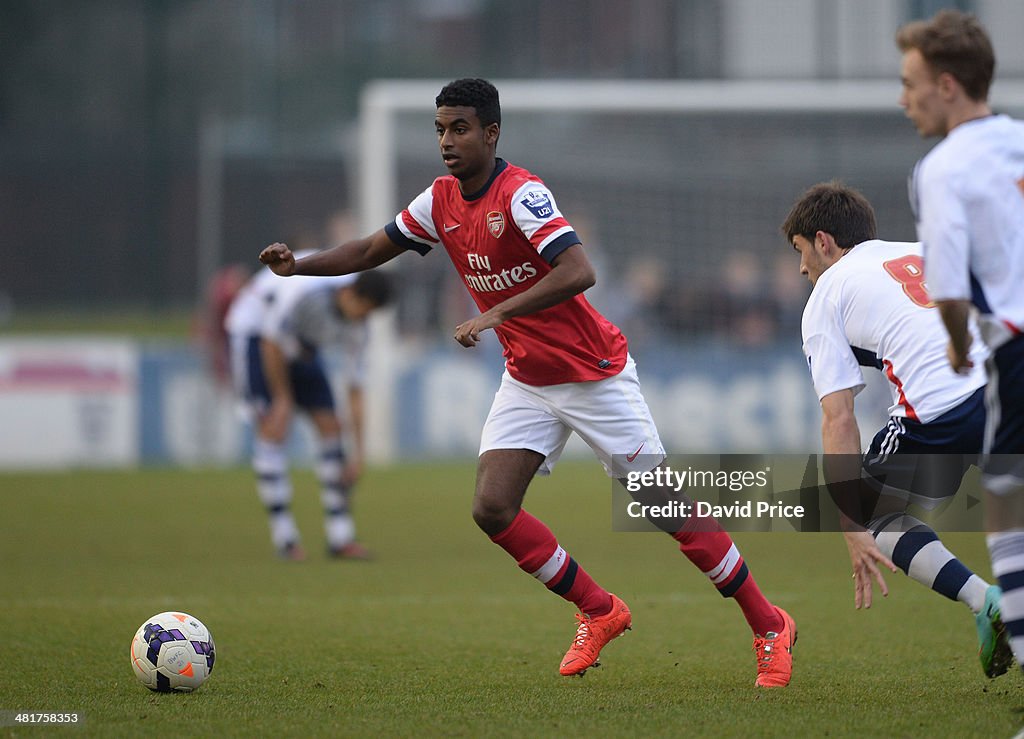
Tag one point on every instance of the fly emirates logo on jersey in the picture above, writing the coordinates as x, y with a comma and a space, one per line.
496, 281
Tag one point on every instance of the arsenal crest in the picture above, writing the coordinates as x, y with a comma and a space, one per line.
496, 223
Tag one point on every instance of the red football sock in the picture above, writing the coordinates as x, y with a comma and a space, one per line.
536, 550
716, 555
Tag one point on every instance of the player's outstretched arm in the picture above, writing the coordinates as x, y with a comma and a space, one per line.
840, 437
571, 274
357, 255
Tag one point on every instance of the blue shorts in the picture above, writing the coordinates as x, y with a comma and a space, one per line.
928, 460
309, 384
1006, 397
1005, 404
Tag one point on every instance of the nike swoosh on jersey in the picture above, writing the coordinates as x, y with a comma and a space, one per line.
449, 229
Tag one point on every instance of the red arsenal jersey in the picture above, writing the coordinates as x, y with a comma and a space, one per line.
501, 240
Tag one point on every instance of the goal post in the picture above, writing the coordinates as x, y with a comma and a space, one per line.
692, 176
381, 100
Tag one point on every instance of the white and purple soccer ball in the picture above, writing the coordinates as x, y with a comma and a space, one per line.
173, 652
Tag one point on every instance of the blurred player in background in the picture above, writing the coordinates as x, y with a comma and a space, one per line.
221, 291
968, 199
567, 367
869, 308
278, 329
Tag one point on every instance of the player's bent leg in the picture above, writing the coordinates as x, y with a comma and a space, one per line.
612, 416
502, 478
335, 494
712, 550
339, 526
1003, 479
915, 548
274, 486
1006, 549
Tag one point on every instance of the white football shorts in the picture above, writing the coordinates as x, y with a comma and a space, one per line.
610, 415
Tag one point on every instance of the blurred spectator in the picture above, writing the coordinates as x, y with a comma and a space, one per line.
222, 288
744, 312
637, 302
789, 291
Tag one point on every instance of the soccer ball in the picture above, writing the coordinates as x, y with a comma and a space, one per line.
172, 652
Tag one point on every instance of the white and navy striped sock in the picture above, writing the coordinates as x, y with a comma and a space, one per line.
1007, 551
339, 527
270, 464
915, 548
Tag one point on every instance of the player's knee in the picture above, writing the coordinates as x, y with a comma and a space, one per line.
493, 516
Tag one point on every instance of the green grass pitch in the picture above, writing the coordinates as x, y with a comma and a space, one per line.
442, 634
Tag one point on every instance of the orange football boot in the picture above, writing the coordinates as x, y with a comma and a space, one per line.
775, 654
592, 634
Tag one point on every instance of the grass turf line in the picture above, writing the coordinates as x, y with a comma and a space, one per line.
442, 634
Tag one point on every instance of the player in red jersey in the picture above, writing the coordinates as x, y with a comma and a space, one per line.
567, 368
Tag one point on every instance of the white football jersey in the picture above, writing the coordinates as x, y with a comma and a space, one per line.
245, 316
299, 312
871, 308
968, 198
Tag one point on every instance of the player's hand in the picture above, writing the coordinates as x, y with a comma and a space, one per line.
468, 333
279, 258
276, 419
865, 557
961, 363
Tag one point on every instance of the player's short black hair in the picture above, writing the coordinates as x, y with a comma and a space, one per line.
834, 208
375, 286
473, 92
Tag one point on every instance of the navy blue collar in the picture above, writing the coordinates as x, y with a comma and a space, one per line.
499, 167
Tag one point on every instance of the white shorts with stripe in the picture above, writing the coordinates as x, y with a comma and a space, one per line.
610, 415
